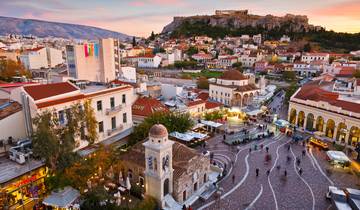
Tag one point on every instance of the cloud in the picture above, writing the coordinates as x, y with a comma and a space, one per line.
349, 9
141, 3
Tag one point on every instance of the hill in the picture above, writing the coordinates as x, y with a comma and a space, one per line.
39, 28
239, 22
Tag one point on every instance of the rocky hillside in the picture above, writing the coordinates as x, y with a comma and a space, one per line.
237, 20
9, 25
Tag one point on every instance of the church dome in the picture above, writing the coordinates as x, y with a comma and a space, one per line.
233, 75
158, 131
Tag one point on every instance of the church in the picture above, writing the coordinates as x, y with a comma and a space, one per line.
168, 170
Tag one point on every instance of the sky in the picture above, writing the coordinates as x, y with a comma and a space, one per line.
141, 17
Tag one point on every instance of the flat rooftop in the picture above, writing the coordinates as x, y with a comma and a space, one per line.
8, 108
10, 169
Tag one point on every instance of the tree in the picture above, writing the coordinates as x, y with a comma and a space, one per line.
172, 121
290, 91
289, 75
91, 123
238, 66
191, 51
134, 41
307, 47
202, 83
152, 36
357, 74
10, 68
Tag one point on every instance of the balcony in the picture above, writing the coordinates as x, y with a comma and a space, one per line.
117, 129
113, 110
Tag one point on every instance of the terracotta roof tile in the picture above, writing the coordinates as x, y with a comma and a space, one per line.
204, 96
196, 102
147, 106
233, 75
42, 91
212, 105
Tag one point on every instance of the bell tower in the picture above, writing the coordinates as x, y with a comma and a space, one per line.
158, 164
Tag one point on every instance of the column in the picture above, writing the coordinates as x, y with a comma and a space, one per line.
335, 133
347, 135
314, 123
305, 121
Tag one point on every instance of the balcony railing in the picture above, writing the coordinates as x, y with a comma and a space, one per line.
112, 131
113, 110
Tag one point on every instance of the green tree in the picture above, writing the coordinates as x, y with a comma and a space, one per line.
191, 51
134, 41
172, 121
202, 83
290, 91
357, 74
289, 75
90, 121
238, 66
307, 47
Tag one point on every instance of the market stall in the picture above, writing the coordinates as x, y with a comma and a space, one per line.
338, 158
65, 199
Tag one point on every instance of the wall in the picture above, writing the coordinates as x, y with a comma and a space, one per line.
13, 125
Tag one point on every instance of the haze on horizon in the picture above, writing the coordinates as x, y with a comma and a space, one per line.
140, 17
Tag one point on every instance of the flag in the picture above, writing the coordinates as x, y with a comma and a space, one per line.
96, 49
91, 50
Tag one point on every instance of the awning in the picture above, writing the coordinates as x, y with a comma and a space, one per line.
181, 136
337, 156
211, 123
196, 135
63, 198
281, 123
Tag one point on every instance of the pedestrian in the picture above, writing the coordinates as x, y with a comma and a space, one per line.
261, 146
184, 207
249, 150
268, 172
233, 178
298, 161
224, 137
285, 173
267, 149
289, 147
288, 158
300, 171
257, 172
189, 208
303, 153
278, 167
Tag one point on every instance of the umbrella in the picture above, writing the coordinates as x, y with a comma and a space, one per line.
128, 185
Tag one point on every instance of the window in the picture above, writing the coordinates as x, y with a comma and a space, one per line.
101, 127
113, 122
123, 98
99, 105
112, 102
124, 118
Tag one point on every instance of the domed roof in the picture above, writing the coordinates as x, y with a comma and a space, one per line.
233, 75
158, 131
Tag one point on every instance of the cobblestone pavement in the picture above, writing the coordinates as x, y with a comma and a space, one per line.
295, 191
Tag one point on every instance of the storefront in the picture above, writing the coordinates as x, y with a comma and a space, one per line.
26, 188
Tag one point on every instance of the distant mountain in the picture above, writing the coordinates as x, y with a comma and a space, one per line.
39, 28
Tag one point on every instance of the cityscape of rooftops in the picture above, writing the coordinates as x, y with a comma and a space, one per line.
179, 105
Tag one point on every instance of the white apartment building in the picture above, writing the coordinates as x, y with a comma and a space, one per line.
41, 57
309, 57
112, 106
249, 60
149, 61
97, 61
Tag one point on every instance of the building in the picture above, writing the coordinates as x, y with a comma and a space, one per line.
143, 107
97, 61
112, 105
149, 61
233, 89
11, 116
170, 171
41, 57
9, 55
326, 107
309, 57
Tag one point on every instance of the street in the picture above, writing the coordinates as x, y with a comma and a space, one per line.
274, 191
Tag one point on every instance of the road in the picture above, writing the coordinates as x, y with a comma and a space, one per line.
276, 191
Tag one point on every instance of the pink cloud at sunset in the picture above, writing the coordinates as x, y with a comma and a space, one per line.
350, 9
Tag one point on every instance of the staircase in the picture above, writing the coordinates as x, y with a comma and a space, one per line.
171, 204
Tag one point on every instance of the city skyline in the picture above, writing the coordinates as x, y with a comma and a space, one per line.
140, 17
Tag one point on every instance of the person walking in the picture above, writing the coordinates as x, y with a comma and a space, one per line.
257, 172
184, 207
249, 150
300, 171
267, 149
233, 178
285, 173
268, 172
298, 161
303, 153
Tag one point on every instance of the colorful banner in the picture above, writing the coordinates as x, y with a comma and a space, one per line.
96, 49
86, 49
91, 50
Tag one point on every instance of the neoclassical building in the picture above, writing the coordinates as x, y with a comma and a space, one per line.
168, 170
320, 106
233, 89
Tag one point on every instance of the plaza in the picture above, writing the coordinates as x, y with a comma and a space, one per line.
241, 189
